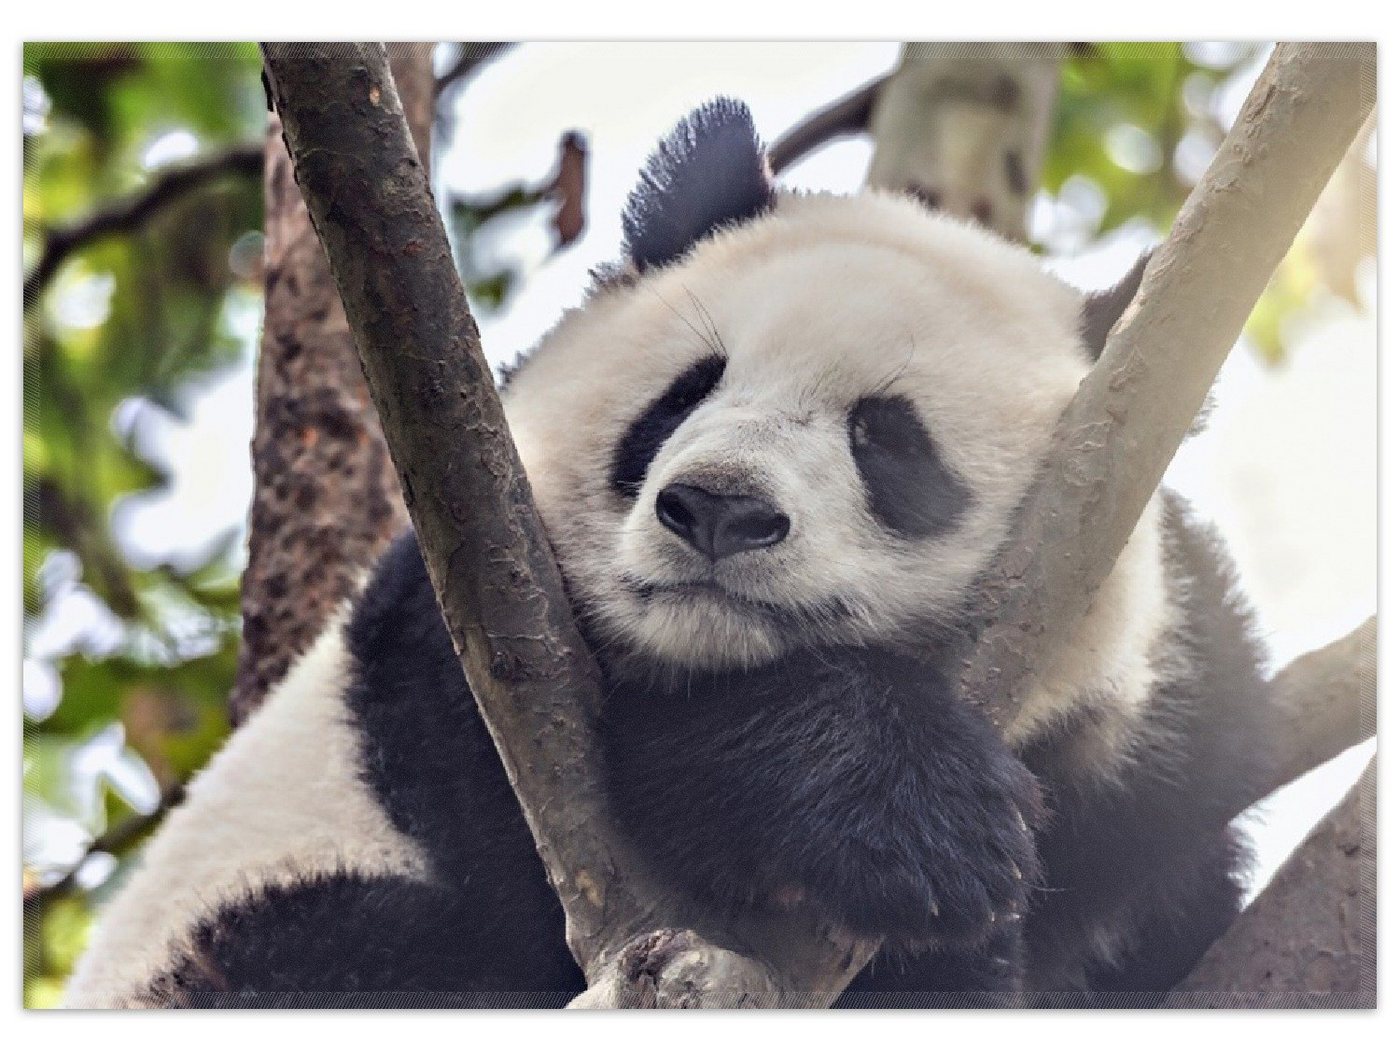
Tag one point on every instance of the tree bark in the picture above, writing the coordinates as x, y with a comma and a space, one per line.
1326, 700
964, 127
489, 559
1131, 413
1309, 940
326, 499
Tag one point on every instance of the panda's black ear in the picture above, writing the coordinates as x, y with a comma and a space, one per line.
1101, 310
710, 171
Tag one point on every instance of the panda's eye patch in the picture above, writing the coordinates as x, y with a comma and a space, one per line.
908, 487
649, 431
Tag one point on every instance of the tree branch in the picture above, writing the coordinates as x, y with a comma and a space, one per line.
121, 216
490, 561
566, 187
1121, 429
1327, 703
1309, 940
846, 116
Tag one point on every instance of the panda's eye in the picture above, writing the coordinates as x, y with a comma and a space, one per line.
909, 488
659, 420
889, 424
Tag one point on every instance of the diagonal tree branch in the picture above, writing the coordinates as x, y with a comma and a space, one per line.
128, 213
488, 556
326, 498
1122, 428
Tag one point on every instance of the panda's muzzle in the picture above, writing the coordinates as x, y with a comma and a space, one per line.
719, 525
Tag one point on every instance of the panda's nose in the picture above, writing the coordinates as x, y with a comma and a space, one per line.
719, 525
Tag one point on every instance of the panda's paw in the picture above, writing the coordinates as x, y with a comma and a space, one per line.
958, 889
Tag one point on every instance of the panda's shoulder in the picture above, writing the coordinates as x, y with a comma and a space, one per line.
396, 607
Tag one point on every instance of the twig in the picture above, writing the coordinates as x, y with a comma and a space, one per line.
113, 840
848, 115
471, 55
166, 187
566, 187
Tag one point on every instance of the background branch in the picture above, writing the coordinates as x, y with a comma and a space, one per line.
1327, 703
471, 55
114, 840
166, 186
846, 116
565, 187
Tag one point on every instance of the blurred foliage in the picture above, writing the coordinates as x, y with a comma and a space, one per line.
131, 705
126, 708
1136, 125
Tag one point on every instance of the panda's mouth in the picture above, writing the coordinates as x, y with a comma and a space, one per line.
688, 591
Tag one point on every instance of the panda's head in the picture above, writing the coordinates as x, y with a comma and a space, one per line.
792, 418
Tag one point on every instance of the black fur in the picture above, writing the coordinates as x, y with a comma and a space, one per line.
851, 776
649, 431
488, 930
1148, 854
709, 172
1102, 309
909, 489
349, 941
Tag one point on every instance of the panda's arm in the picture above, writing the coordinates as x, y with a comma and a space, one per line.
851, 780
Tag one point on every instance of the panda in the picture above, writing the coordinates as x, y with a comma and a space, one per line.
774, 450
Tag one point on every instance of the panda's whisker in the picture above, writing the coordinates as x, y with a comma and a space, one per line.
705, 341
885, 385
708, 321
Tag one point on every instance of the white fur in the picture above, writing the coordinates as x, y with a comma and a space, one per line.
281, 801
1115, 650
825, 300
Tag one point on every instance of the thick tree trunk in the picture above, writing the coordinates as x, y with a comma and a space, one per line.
326, 498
